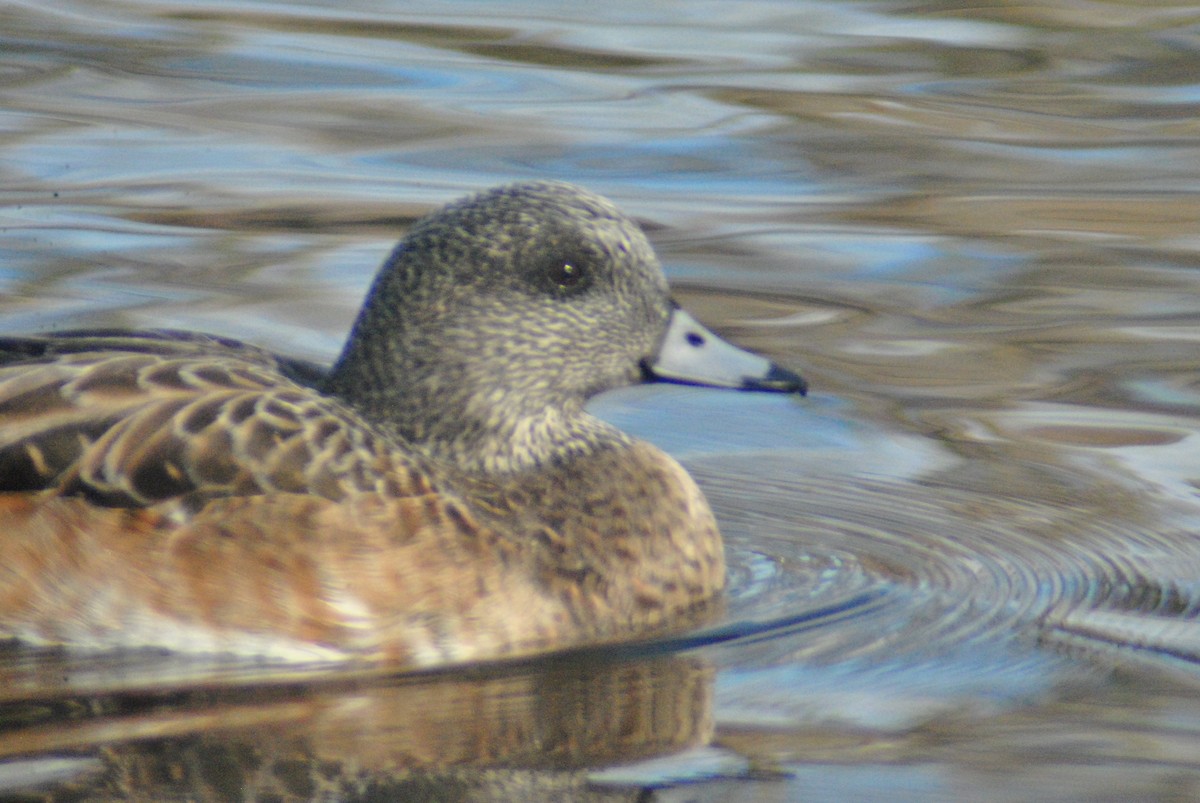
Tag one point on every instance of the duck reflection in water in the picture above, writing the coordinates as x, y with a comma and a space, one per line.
530, 731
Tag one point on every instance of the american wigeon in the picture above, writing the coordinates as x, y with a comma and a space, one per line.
438, 495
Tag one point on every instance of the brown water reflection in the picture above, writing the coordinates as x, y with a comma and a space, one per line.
966, 567
504, 732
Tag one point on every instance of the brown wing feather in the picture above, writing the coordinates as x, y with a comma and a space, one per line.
135, 428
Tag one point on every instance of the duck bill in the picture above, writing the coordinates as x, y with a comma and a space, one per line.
692, 355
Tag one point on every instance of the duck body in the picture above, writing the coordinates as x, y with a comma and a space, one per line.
440, 495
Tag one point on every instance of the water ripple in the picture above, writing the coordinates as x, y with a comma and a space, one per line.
950, 569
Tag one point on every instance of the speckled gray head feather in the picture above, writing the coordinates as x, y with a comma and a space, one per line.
501, 310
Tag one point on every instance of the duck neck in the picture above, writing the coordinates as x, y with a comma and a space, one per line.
517, 443
486, 431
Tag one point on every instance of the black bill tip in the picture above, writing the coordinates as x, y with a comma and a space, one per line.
777, 380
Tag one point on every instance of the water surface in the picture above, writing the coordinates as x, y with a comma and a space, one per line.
966, 566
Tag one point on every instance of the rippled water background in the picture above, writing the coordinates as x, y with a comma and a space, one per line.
967, 566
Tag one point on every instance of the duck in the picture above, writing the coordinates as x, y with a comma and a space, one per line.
438, 495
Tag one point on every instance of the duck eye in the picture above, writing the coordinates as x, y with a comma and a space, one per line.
566, 275
562, 266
